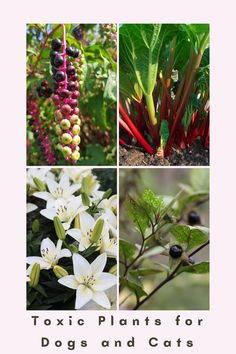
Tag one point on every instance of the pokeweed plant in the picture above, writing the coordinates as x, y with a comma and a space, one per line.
71, 72
164, 85
167, 241
71, 239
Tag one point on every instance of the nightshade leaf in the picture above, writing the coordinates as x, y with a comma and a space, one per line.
188, 236
127, 249
145, 271
199, 268
134, 284
137, 214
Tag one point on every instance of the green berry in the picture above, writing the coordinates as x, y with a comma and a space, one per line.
75, 156
76, 129
76, 140
66, 151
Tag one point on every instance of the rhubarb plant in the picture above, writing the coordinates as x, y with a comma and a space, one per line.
162, 237
164, 85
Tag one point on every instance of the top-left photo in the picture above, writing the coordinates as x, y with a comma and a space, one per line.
71, 94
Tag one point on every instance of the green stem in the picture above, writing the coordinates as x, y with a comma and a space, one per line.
151, 110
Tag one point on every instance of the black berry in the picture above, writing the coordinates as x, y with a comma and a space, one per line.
59, 76
70, 70
74, 77
53, 53
58, 61
76, 53
48, 92
175, 251
194, 218
56, 44
70, 51
71, 86
64, 93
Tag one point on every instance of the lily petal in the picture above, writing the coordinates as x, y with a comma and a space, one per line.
43, 263
69, 281
82, 268
43, 195
48, 213
99, 264
104, 281
101, 299
72, 189
83, 296
64, 181
30, 207
64, 253
52, 185
75, 233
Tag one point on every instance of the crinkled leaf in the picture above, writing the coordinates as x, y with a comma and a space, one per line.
199, 268
137, 214
140, 46
150, 200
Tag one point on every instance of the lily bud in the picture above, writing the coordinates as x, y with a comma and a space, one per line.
35, 225
96, 233
113, 270
60, 231
85, 199
59, 271
34, 275
73, 248
77, 222
107, 194
39, 184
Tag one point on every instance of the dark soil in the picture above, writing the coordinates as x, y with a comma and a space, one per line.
196, 155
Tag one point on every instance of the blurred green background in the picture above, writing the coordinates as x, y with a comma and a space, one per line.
187, 291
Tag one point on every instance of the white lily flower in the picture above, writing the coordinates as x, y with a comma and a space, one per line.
77, 174
30, 207
41, 173
84, 233
50, 255
89, 281
65, 210
61, 190
110, 221
110, 203
112, 296
108, 245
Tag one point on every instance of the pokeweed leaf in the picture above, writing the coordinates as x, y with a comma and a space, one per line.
140, 46
137, 214
127, 249
199, 268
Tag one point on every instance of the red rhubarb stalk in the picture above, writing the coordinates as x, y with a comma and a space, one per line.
136, 133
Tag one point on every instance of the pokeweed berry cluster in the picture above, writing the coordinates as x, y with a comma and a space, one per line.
65, 98
44, 90
40, 131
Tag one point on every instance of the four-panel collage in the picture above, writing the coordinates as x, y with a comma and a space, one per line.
117, 176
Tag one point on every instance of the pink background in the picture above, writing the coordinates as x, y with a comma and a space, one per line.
218, 330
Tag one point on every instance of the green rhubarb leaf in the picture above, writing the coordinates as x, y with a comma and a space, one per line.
140, 46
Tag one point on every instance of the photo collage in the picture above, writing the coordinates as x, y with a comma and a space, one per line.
117, 175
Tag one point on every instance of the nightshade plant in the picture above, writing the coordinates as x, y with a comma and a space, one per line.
71, 76
164, 85
71, 240
167, 242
